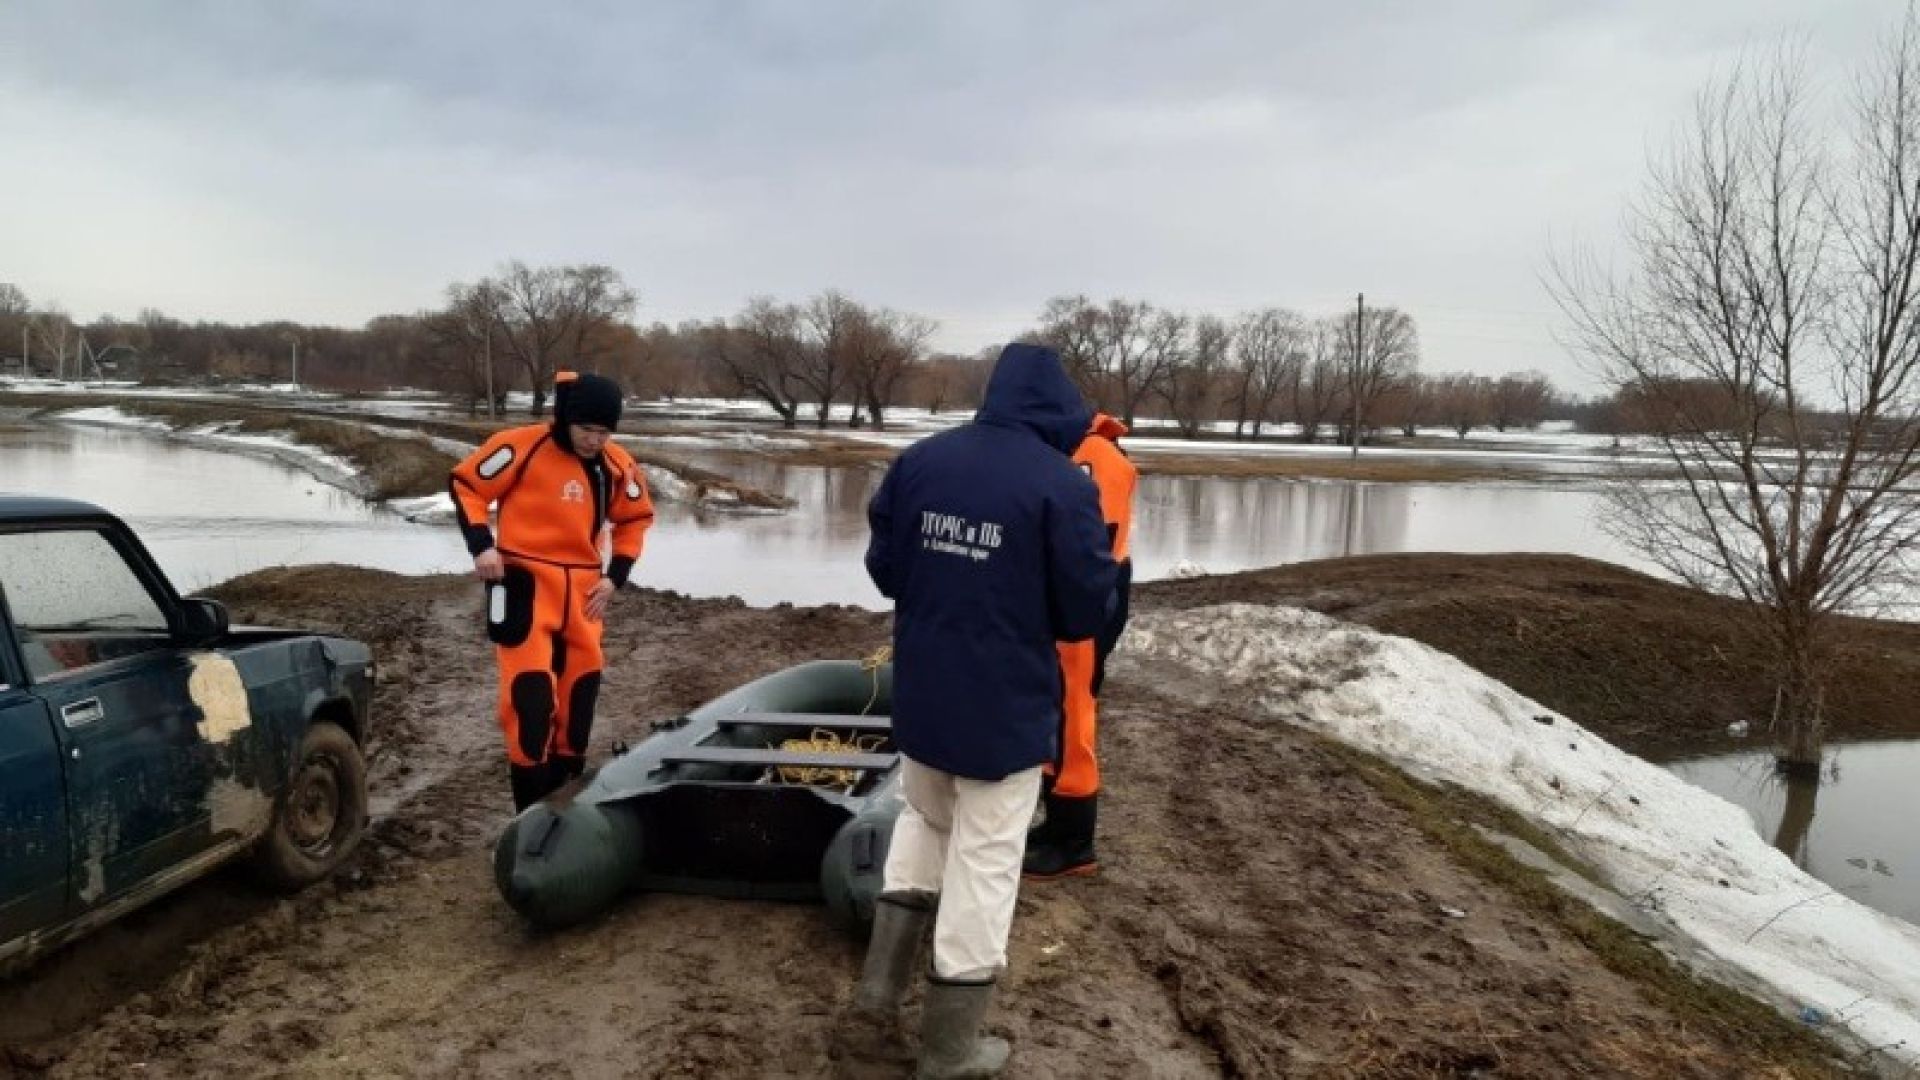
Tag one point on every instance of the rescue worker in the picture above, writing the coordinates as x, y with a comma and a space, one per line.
1070, 790
551, 573
990, 544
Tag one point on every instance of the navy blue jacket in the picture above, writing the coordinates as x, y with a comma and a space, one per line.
991, 545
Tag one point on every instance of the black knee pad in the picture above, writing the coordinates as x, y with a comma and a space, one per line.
532, 694
586, 693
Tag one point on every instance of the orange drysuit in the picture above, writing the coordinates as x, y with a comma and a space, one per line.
1083, 663
555, 509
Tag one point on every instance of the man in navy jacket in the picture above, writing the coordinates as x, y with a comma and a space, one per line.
991, 545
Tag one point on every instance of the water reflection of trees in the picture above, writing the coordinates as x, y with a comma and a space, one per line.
1224, 523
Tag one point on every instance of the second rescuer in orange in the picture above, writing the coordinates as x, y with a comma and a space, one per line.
1063, 844
561, 489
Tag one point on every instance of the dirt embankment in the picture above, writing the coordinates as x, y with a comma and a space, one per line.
1653, 667
394, 465
1270, 906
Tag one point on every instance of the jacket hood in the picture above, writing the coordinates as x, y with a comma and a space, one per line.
1030, 389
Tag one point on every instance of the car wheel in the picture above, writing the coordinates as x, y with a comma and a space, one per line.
321, 815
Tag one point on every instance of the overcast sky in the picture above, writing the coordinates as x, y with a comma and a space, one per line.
332, 161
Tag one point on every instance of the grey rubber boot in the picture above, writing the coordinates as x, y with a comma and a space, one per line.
899, 923
951, 1046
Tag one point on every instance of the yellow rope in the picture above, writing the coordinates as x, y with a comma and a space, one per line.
830, 742
872, 665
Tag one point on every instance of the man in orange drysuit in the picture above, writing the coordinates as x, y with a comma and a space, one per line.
560, 489
1063, 844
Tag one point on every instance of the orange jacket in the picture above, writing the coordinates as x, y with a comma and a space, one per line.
1099, 456
553, 503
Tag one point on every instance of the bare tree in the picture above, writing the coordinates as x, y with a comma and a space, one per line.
1521, 400
1073, 327
1319, 393
1463, 402
764, 355
1192, 389
53, 332
888, 347
467, 332
1784, 273
831, 323
1121, 354
1377, 360
1269, 350
551, 313
14, 307
1407, 404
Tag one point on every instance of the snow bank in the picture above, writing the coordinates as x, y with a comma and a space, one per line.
111, 416
323, 466
1692, 859
427, 509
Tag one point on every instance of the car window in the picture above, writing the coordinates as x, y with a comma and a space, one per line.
75, 600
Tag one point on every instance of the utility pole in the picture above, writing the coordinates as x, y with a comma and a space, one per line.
1359, 353
296, 363
26, 331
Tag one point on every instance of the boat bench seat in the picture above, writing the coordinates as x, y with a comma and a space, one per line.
802, 721
783, 759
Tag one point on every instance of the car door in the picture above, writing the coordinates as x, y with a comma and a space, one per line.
99, 656
33, 812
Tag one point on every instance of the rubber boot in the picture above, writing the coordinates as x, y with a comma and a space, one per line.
871, 1030
899, 923
530, 784
1043, 832
1069, 850
951, 1046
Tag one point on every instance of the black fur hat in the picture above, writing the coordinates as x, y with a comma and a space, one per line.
587, 399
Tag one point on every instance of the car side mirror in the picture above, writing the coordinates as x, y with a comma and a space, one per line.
203, 622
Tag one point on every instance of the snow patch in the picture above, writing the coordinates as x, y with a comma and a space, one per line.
1685, 856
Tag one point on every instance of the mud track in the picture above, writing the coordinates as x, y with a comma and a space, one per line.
1265, 910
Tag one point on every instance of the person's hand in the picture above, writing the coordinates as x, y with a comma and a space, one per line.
487, 566
598, 598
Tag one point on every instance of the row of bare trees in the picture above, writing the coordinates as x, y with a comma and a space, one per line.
512, 330
831, 350
1262, 368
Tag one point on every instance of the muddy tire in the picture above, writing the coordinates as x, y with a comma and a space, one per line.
321, 815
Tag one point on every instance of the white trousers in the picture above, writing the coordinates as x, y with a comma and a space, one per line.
964, 839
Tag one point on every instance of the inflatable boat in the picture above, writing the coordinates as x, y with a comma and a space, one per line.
785, 788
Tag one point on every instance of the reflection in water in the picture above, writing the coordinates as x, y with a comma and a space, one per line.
1796, 818
1859, 841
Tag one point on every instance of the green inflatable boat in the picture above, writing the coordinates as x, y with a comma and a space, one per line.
786, 788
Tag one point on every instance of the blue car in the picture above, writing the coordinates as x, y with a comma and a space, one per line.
144, 741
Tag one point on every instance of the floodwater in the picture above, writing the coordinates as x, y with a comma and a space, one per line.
1853, 831
209, 515
1218, 525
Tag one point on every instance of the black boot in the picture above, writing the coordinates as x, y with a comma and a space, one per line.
530, 784
566, 768
1043, 832
951, 1046
1069, 850
899, 923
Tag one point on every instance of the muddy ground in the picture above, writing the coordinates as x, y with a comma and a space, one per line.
1269, 907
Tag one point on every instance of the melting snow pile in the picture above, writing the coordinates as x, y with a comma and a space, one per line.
1692, 857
